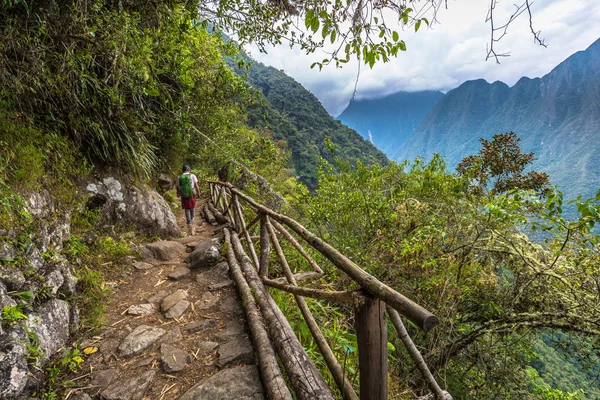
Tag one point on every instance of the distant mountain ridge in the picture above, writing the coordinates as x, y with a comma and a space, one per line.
389, 120
556, 116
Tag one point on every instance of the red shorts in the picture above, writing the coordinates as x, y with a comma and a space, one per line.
188, 203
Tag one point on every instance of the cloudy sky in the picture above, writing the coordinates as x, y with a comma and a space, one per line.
451, 52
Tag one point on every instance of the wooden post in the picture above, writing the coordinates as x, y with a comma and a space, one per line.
265, 247
371, 335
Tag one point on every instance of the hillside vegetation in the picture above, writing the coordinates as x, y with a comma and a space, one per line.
141, 88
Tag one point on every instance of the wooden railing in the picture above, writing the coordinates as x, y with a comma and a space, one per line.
271, 331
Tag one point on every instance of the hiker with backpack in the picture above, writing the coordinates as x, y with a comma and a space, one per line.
187, 189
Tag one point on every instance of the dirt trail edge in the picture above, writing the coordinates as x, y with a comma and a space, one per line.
174, 328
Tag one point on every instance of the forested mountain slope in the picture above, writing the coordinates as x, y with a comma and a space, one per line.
296, 116
557, 117
389, 120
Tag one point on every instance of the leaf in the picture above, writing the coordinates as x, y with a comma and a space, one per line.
90, 350
402, 45
417, 26
333, 35
395, 36
391, 347
310, 15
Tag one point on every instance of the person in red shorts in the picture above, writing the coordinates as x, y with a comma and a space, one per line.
188, 189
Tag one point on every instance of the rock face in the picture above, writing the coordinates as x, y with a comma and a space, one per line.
13, 363
242, 383
51, 324
205, 255
141, 338
141, 206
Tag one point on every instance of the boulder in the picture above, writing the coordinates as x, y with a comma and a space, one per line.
205, 255
139, 205
140, 339
165, 250
13, 362
172, 358
51, 322
129, 388
241, 383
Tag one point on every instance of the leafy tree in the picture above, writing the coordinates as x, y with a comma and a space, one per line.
501, 164
464, 255
369, 30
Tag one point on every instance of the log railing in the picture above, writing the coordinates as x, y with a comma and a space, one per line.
273, 334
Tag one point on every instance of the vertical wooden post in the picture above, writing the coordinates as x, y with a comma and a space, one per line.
371, 335
265, 246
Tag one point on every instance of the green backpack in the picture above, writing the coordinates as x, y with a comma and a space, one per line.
185, 186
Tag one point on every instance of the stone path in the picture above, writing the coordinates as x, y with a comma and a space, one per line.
175, 329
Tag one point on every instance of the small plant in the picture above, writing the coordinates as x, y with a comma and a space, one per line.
34, 353
12, 315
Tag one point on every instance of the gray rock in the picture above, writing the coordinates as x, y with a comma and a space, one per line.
141, 265
205, 348
139, 205
165, 250
129, 388
230, 305
144, 361
141, 309
207, 301
140, 339
236, 350
203, 325
241, 383
172, 336
232, 330
156, 298
172, 358
54, 280
109, 346
69, 286
178, 309
178, 273
205, 255
13, 362
218, 273
51, 322
103, 378
169, 301
5, 299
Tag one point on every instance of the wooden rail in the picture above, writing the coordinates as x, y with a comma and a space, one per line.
370, 301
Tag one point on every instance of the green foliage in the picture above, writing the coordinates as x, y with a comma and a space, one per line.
500, 165
463, 255
12, 314
299, 123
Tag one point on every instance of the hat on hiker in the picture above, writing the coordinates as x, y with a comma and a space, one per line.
186, 168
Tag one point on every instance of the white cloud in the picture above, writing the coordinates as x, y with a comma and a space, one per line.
452, 52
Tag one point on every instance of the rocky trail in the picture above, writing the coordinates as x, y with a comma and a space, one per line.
174, 328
